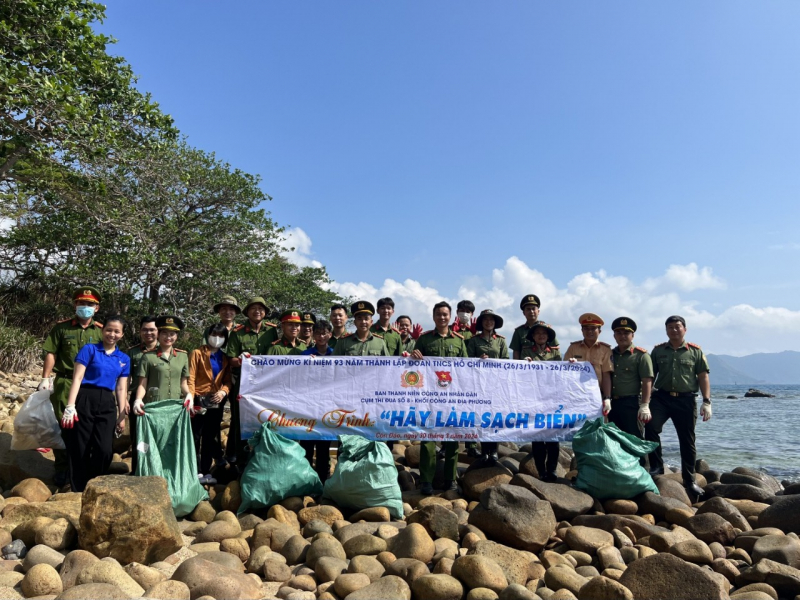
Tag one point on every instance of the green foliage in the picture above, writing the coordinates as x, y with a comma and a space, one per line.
18, 349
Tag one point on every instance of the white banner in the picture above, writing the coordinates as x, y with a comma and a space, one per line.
393, 398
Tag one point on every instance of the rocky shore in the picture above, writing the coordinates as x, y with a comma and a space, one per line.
506, 535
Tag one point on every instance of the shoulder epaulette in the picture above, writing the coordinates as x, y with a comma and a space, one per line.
150, 351
377, 335
65, 320
238, 327
604, 344
346, 335
268, 324
640, 349
693, 345
276, 342
500, 336
98, 324
455, 333
179, 350
555, 347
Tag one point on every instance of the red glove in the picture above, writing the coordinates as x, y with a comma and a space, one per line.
416, 331
69, 417
456, 326
473, 326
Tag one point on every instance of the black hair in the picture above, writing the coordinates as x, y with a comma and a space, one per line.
219, 329
339, 306
405, 317
385, 302
322, 325
442, 304
112, 319
146, 319
466, 305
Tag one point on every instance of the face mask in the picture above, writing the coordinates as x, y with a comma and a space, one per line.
216, 341
464, 317
84, 312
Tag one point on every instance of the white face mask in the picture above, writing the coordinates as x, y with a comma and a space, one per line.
464, 317
216, 341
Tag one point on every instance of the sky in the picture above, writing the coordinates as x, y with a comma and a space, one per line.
622, 158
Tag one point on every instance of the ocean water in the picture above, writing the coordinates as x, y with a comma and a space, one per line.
759, 433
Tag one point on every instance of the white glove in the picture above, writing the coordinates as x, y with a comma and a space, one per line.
188, 404
606, 407
705, 411
644, 413
405, 354
45, 384
244, 355
70, 417
138, 407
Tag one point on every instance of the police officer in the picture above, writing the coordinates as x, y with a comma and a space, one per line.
363, 342
163, 373
441, 341
632, 380
598, 353
681, 369
61, 347
529, 305
464, 323
307, 329
226, 309
338, 319
291, 321
407, 339
148, 340
384, 327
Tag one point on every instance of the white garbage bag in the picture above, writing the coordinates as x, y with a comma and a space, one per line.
35, 425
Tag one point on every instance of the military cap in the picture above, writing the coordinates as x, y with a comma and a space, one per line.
551, 333
362, 306
291, 316
591, 319
309, 319
675, 319
169, 322
529, 299
498, 320
88, 293
623, 323
230, 301
256, 300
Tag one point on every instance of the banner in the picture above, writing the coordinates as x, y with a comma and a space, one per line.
393, 398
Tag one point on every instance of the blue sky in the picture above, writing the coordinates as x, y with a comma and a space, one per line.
621, 157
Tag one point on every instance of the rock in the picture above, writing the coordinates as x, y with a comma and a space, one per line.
657, 505
145, 576
328, 568
41, 580
412, 455
75, 562
58, 534
203, 512
326, 546
694, 551
389, 587
783, 578
218, 531
197, 571
129, 519
514, 563
42, 555
560, 577
727, 511
364, 544
17, 514
566, 502
754, 393
413, 542
587, 539
479, 571
408, 569
171, 590
347, 583
33, 490
739, 491
376, 514
369, 565
637, 525
514, 516
669, 488
602, 588
275, 570
437, 520
27, 531
232, 496
482, 594
515, 591
226, 560
666, 576
783, 514
316, 526
620, 506
295, 550
710, 527
757, 587
271, 533
478, 480
726, 568
662, 542
437, 587
780, 548
109, 571
237, 546
106, 591
746, 479
10, 579
325, 513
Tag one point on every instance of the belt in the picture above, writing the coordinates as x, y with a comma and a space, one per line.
677, 394
623, 397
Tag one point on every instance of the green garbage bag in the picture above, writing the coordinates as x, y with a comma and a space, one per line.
608, 461
165, 449
365, 476
277, 470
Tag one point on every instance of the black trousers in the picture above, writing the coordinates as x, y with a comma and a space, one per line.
625, 414
487, 447
89, 442
234, 447
323, 448
207, 439
545, 456
683, 412
132, 420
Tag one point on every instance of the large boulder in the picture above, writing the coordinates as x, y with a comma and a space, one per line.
479, 571
711, 527
739, 491
129, 519
439, 521
727, 511
17, 514
514, 516
650, 503
566, 501
771, 482
413, 542
200, 575
780, 548
666, 576
386, 588
477, 480
514, 563
33, 490
783, 514
587, 539
669, 488
637, 525
785, 579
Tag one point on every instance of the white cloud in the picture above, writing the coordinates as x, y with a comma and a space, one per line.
296, 245
787, 246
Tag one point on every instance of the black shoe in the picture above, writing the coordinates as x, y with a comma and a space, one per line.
473, 452
550, 477
694, 490
493, 457
60, 478
426, 489
655, 472
450, 486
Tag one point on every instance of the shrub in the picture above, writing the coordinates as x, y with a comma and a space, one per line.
19, 350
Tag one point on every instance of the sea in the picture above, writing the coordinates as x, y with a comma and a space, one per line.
759, 433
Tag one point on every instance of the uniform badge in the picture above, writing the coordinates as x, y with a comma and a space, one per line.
412, 379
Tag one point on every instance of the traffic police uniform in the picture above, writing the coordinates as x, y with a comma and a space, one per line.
284, 346
520, 337
599, 353
64, 341
630, 368
674, 390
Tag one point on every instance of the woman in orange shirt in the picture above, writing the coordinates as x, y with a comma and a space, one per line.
209, 383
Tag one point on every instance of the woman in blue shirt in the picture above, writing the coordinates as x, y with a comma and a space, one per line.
92, 413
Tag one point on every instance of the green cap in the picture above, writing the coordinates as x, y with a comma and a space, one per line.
230, 301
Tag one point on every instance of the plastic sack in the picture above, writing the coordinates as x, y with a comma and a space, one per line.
608, 461
365, 476
277, 470
35, 425
165, 448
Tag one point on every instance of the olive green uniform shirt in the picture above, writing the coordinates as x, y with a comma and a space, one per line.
334, 340
246, 339
66, 339
136, 353
164, 371
677, 370
495, 347
549, 353
431, 343
408, 345
391, 338
630, 367
350, 345
284, 346
520, 338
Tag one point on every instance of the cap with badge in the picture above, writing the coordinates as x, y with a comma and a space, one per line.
169, 322
227, 301
309, 319
529, 299
590, 319
87, 293
676, 319
498, 320
623, 323
291, 316
362, 307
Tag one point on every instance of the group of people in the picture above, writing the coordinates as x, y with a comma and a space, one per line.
640, 390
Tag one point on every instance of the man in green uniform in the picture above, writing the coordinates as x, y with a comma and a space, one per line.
529, 306
61, 347
306, 334
443, 342
338, 318
148, 336
403, 325
681, 369
384, 327
226, 309
289, 343
363, 342
631, 381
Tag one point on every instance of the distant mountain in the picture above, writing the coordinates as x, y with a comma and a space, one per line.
776, 368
